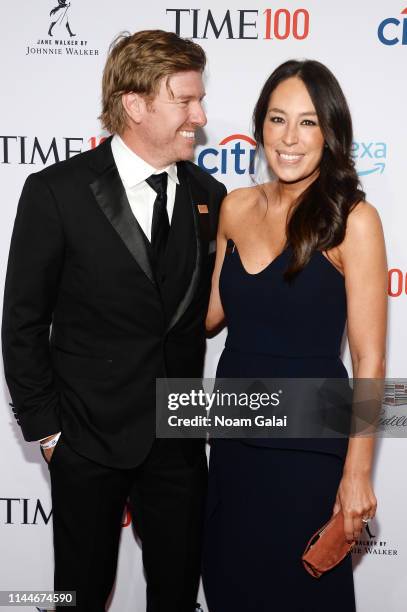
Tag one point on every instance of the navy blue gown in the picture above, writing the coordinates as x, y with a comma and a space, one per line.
267, 497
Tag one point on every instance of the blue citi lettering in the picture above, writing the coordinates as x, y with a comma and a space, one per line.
393, 31
218, 160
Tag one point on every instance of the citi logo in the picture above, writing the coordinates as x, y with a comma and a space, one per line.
370, 157
393, 31
243, 24
234, 153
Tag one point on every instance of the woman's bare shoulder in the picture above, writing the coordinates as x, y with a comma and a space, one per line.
239, 201
364, 239
362, 221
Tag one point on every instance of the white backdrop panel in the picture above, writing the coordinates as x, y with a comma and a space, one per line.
49, 104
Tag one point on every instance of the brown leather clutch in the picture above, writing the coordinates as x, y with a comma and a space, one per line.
327, 547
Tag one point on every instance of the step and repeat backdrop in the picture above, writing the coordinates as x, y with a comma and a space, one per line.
49, 103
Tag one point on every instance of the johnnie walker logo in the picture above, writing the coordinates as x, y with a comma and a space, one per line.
61, 37
59, 17
369, 544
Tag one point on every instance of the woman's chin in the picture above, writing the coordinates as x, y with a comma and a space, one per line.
294, 175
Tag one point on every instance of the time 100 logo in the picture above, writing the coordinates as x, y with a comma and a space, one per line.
244, 24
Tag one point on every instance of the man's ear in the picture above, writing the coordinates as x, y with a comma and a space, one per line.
134, 106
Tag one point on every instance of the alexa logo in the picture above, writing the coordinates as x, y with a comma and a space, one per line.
234, 154
393, 30
370, 157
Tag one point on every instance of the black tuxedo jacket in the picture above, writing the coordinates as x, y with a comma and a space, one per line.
87, 325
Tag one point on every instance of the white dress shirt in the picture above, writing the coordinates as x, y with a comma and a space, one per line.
133, 172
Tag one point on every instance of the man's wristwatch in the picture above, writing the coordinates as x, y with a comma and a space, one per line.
50, 443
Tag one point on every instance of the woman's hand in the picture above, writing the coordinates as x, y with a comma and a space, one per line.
356, 499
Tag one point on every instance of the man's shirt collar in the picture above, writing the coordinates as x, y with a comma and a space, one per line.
133, 169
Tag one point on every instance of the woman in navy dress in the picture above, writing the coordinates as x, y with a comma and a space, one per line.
307, 254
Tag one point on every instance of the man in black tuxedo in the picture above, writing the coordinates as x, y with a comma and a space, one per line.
107, 289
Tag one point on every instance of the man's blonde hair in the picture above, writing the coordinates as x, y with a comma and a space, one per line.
137, 63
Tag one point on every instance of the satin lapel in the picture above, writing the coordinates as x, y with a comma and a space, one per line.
194, 193
111, 196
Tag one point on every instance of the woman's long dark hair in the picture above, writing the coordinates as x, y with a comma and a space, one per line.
319, 216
